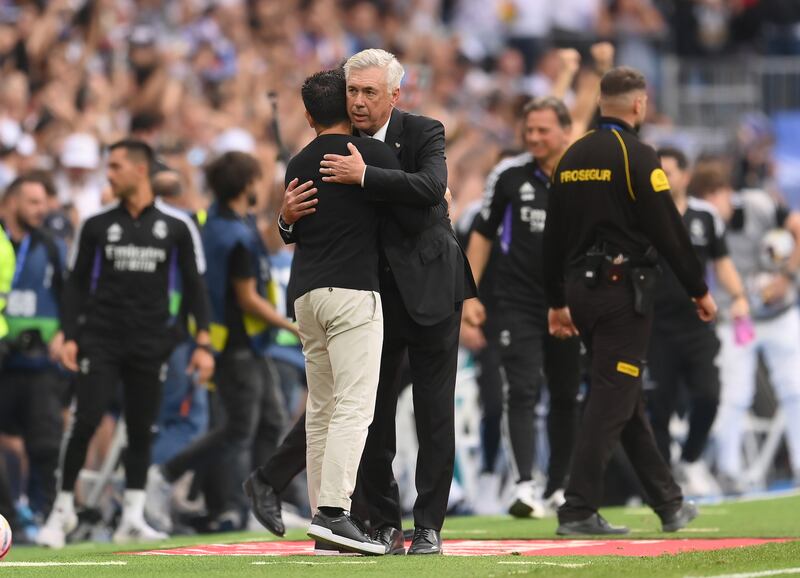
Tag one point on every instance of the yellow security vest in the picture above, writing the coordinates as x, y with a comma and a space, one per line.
8, 262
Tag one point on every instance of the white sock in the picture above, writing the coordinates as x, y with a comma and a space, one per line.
133, 506
65, 502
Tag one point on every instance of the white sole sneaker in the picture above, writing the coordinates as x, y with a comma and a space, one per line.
55, 537
327, 536
137, 535
523, 509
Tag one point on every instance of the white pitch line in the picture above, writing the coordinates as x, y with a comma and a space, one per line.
753, 574
309, 563
560, 565
49, 564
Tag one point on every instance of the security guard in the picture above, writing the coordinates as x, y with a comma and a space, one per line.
609, 215
7, 267
241, 323
30, 382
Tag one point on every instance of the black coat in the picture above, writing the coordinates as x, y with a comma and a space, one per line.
430, 268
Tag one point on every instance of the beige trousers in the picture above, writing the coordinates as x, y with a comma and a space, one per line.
342, 335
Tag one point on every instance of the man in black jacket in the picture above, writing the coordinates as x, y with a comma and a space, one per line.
608, 212
424, 278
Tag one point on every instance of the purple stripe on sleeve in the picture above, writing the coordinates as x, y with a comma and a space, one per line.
95, 270
505, 236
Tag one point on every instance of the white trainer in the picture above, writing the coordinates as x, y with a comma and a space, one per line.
527, 501
157, 506
556, 500
696, 479
487, 497
136, 531
59, 523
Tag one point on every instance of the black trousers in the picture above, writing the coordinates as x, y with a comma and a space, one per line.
30, 406
530, 356
616, 339
433, 356
139, 363
685, 358
490, 391
562, 371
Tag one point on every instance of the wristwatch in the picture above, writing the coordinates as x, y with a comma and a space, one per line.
283, 226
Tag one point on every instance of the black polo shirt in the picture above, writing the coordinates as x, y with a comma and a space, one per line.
674, 310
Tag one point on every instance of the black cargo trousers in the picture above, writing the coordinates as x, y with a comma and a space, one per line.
616, 339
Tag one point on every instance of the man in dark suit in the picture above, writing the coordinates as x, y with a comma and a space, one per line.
424, 278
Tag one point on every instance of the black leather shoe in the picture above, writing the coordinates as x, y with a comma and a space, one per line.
593, 525
265, 503
345, 532
392, 538
426, 541
677, 520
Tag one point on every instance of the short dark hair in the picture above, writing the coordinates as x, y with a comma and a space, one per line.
622, 80
549, 103
137, 150
229, 175
674, 153
15, 186
325, 98
45, 179
708, 176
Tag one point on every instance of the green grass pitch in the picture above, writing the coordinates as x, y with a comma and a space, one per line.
771, 518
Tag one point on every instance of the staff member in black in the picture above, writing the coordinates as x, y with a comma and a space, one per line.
424, 278
609, 213
116, 318
683, 349
515, 204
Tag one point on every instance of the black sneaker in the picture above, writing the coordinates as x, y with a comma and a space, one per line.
323, 549
345, 532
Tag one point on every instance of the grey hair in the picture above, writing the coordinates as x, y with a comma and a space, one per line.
377, 58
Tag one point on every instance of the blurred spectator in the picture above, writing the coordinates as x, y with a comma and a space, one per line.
764, 243
79, 183
30, 397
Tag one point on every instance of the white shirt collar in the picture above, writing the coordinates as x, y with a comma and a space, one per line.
380, 134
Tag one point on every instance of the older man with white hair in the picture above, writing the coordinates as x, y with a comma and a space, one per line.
424, 279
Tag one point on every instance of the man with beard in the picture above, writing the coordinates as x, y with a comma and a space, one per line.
608, 214
30, 403
116, 322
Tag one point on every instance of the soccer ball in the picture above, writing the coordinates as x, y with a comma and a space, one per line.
5, 537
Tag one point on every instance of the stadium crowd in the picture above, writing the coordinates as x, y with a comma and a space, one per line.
196, 79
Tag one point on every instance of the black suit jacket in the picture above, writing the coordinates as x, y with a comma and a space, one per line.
428, 264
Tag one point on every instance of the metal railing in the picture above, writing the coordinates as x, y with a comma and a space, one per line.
716, 92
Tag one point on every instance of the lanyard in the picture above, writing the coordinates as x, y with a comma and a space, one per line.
21, 256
